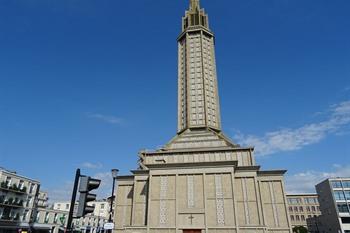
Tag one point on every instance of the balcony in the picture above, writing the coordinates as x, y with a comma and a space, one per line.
10, 202
8, 218
14, 188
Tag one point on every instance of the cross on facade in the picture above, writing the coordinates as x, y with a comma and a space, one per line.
191, 218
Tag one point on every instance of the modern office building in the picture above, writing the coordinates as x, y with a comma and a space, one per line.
17, 201
334, 198
201, 181
304, 211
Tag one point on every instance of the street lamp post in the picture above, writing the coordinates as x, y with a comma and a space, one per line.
114, 176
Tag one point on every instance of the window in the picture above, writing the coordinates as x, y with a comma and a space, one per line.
8, 181
294, 201
343, 208
29, 200
310, 200
55, 218
301, 209
313, 208
291, 209
102, 206
25, 215
339, 195
38, 217
346, 184
302, 218
21, 184
67, 206
308, 209
32, 187
63, 219
347, 195
47, 217
336, 184
296, 209
297, 218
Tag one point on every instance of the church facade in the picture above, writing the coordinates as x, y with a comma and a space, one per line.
200, 182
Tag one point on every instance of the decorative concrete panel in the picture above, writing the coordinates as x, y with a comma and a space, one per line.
163, 203
220, 214
190, 192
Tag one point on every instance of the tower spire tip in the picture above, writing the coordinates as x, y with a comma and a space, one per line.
194, 5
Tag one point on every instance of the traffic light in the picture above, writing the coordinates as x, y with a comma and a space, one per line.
87, 184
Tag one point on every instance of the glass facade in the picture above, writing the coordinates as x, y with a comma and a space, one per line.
347, 195
346, 184
336, 184
339, 195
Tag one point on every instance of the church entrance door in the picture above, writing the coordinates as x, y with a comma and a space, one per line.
192, 231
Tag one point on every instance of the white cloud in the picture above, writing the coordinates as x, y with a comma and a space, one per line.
294, 139
305, 182
106, 118
105, 189
92, 165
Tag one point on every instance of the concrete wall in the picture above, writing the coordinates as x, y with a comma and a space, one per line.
213, 199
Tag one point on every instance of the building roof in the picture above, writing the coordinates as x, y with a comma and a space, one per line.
14, 174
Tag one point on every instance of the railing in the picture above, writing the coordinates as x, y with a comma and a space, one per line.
14, 188
11, 202
8, 218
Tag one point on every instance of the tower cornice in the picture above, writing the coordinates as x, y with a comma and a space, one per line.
195, 29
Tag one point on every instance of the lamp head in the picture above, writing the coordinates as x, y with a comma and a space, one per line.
114, 173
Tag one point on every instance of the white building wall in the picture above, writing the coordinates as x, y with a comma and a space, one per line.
17, 198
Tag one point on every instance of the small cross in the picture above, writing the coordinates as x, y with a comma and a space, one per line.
191, 218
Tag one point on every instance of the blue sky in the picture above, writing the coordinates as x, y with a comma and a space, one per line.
88, 83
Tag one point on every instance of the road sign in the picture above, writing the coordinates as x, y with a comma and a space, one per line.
109, 226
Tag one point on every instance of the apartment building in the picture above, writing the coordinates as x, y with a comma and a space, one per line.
24, 208
17, 201
304, 211
334, 198
102, 207
91, 223
54, 221
43, 199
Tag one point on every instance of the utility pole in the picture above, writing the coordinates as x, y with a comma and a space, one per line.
114, 176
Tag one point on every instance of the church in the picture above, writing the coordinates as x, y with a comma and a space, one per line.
200, 181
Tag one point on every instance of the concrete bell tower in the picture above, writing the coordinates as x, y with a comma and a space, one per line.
198, 100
